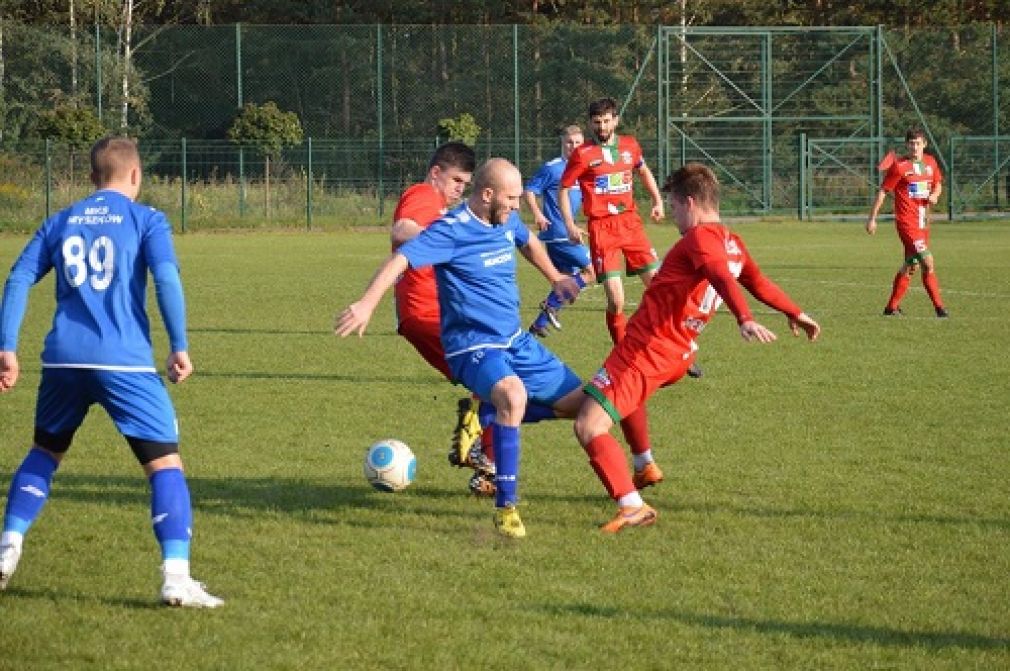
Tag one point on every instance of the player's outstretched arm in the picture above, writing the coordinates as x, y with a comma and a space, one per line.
871, 222
9, 371
355, 317
807, 324
652, 187
178, 367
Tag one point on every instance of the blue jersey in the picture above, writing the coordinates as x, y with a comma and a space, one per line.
102, 248
475, 269
545, 183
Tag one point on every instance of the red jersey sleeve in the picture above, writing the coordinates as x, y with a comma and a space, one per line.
420, 203
892, 176
575, 167
763, 288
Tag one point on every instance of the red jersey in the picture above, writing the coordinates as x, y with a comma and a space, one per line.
416, 292
911, 181
697, 273
603, 173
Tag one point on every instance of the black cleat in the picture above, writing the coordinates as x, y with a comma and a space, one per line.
896, 312
942, 313
695, 371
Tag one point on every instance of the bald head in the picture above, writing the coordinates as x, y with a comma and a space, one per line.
497, 188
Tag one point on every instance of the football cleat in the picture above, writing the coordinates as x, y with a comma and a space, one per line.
184, 592
478, 461
648, 475
642, 516
9, 556
942, 313
508, 522
695, 371
466, 433
892, 312
551, 313
482, 484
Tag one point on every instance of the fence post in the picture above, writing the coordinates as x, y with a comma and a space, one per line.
182, 218
308, 185
515, 91
950, 169
802, 178
49, 176
995, 112
378, 89
98, 69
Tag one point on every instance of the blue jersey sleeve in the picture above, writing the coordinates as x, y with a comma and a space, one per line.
31, 266
171, 303
433, 246
541, 181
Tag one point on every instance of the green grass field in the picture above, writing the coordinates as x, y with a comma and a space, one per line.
836, 505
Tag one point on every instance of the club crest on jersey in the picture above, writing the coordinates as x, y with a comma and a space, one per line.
510, 236
601, 380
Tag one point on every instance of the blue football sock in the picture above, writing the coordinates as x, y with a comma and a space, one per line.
556, 302
536, 413
171, 514
506, 462
486, 414
29, 490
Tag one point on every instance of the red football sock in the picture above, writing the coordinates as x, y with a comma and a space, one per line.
932, 286
616, 325
487, 443
607, 459
636, 431
898, 289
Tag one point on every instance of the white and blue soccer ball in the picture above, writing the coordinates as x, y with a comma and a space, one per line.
390, 465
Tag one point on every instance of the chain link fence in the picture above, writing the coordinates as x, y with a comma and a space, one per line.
370, 99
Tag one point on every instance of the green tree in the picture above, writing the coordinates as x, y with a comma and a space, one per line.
463, 128
76, 127
267, 129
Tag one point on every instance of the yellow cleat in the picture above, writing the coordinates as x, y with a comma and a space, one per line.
466, 433
508, 523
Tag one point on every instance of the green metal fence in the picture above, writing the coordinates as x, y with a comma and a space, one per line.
792, 120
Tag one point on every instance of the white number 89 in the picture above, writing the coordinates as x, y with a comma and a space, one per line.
101, 259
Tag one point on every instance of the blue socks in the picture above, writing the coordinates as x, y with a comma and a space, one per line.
506, 462
555, 302
534, 413
29, 490
171, 513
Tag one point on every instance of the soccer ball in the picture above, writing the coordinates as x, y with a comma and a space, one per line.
390, 465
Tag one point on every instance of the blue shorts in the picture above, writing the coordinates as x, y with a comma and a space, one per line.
544, 375
138, 403
568, 257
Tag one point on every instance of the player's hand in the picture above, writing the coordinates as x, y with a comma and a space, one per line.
751, 330
933, 197
178, 367
871, 225
9, 371
658, 212
566, 288
575, 234
809, 326
353, 319
541, 221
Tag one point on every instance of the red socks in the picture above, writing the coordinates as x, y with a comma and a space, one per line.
898, 289
636, 431
616, 324
608, 460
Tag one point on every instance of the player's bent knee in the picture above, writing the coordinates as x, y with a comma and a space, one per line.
147, 451
55, 443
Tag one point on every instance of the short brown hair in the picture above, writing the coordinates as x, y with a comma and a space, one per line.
914, 132
454, 155
695, 180
112, 157
602, 106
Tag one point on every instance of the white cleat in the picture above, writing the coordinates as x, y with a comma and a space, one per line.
184, 592
9, 556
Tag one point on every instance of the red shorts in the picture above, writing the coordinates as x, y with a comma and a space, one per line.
423, 334
610, 238
622, 387
915, 241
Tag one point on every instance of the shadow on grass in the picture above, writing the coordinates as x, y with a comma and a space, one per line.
854, 633
249, 497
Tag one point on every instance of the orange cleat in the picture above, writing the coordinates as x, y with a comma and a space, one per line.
648, 476
627, 516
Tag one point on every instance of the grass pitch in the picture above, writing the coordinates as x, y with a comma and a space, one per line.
834, 505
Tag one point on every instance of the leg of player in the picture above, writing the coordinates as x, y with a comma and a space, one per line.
592, 428
898, 287
613, 287
932, 285
549, 309
172, 519
29, 490
508, 395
